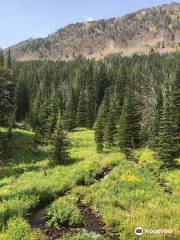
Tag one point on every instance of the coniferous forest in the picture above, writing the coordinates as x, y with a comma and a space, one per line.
129, 102
66, 125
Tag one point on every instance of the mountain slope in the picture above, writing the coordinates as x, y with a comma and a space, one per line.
157, 27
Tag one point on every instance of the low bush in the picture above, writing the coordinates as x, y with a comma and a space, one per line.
148, 160
63, 212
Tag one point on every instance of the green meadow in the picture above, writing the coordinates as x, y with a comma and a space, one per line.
128, 197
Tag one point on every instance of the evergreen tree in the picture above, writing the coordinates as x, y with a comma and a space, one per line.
39, 118
7, 143
91, 97
99, 134
7, 104
52, 114
69, 117
176, 95
81, 117
9, 60
167, 143
169, 133
101, 122
101, 84
110, 129
129, 124
22, 101
9, 147
3, 98
1, 58
60, 142
154, 129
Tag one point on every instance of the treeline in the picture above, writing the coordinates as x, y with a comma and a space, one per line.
129, 101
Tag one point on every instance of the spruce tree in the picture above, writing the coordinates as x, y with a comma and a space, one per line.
7, 143
9, 60
101, 122
60, 142
99, 134
154, 129
7, 103
167, 147
169, 134
9, 149
52, 111
101, 84
129, 124
176, 103
110, 129
1, 58
22, 101
81, 117
91, 97
3, 98
69, 117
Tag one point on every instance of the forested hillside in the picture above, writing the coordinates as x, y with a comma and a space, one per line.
138, 32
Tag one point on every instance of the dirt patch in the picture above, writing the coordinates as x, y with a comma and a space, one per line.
164, 186
37, 220
92, 221
104, 174
133, 159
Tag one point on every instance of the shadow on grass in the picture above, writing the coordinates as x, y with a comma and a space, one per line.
67, 161
24, 161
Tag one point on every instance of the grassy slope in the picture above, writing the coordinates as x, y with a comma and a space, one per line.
128, 198
25, 186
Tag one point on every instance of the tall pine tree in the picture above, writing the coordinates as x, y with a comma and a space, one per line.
129, 124
110, 129
69, 117
101, 121
1, 58
81, 116
60, 142
166, 146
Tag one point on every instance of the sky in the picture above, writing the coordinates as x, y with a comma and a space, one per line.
23, 19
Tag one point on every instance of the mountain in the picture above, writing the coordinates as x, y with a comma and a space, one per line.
157, 27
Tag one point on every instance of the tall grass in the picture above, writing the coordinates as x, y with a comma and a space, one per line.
131, 197
33, 184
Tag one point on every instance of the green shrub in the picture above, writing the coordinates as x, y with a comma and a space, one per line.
63, 212
19, 229
147, 159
